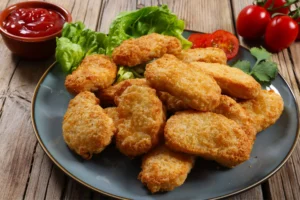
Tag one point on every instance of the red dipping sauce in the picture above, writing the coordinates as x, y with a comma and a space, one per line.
33, 22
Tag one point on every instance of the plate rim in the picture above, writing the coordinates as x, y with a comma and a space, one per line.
123, 198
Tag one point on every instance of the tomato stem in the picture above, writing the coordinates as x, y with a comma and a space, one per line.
295, 14
260, 2
287, 4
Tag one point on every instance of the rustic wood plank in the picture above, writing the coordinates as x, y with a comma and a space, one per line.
18, 141
41, 169
16, 147
144, 3
205, 15
254, 193
111, 8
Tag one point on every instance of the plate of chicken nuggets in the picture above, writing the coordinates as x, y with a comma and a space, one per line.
192, 128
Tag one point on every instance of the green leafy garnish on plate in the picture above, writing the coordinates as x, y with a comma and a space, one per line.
68, 54
154, 19
130, 73
130, 24
77, 42
264, 70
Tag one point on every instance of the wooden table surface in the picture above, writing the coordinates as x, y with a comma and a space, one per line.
25, 170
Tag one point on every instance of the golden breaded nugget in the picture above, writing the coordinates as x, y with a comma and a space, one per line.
112, 112
133, 52
232, 81
209, 55
188, 83
164, 170
86, 128
265, 109
173, 104
232, 110
108, 95
95, 72
141, 120
208, 135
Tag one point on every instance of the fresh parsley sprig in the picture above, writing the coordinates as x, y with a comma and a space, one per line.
264, 70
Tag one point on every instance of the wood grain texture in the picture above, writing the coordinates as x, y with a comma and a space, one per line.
111, 8
204, 15
254, 193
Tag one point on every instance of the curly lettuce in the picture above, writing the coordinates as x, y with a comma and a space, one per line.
77, 42
133, 24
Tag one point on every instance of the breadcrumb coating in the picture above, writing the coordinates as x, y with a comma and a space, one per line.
133, 52
265, 109
108, 95
141, 120
208, 135
208, 55
189, 84
233, 82
95, 72
164, 170
87, 130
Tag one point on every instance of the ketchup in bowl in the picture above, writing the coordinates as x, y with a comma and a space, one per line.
33, 22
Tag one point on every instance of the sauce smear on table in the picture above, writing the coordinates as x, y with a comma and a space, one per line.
33, 22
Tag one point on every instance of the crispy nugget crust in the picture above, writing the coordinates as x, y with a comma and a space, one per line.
208, 135
232, 81
164, 170
141, 120
264, 110
190, 84
112, 112
232, 110
95, 72
172, 104
143, 49
108, 95
87, 130
209, 55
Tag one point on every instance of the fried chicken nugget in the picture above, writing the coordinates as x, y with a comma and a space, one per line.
264, 110
133, 52
112, 112
87, 130
209, 55
173, 104
164, 170
95, 72
141, 120
208, 135
232, 81
108, 95
195, 88
232, 110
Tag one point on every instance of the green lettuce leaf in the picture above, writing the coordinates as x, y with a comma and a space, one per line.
68, 54
133, 24
83, 41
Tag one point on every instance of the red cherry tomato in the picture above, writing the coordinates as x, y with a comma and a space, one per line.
225, 41
277, 4
252, 22
199, 40
281, 32
298, 21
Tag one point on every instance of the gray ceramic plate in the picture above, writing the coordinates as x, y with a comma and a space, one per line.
115, 175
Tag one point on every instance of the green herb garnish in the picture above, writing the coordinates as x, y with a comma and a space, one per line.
264, 70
